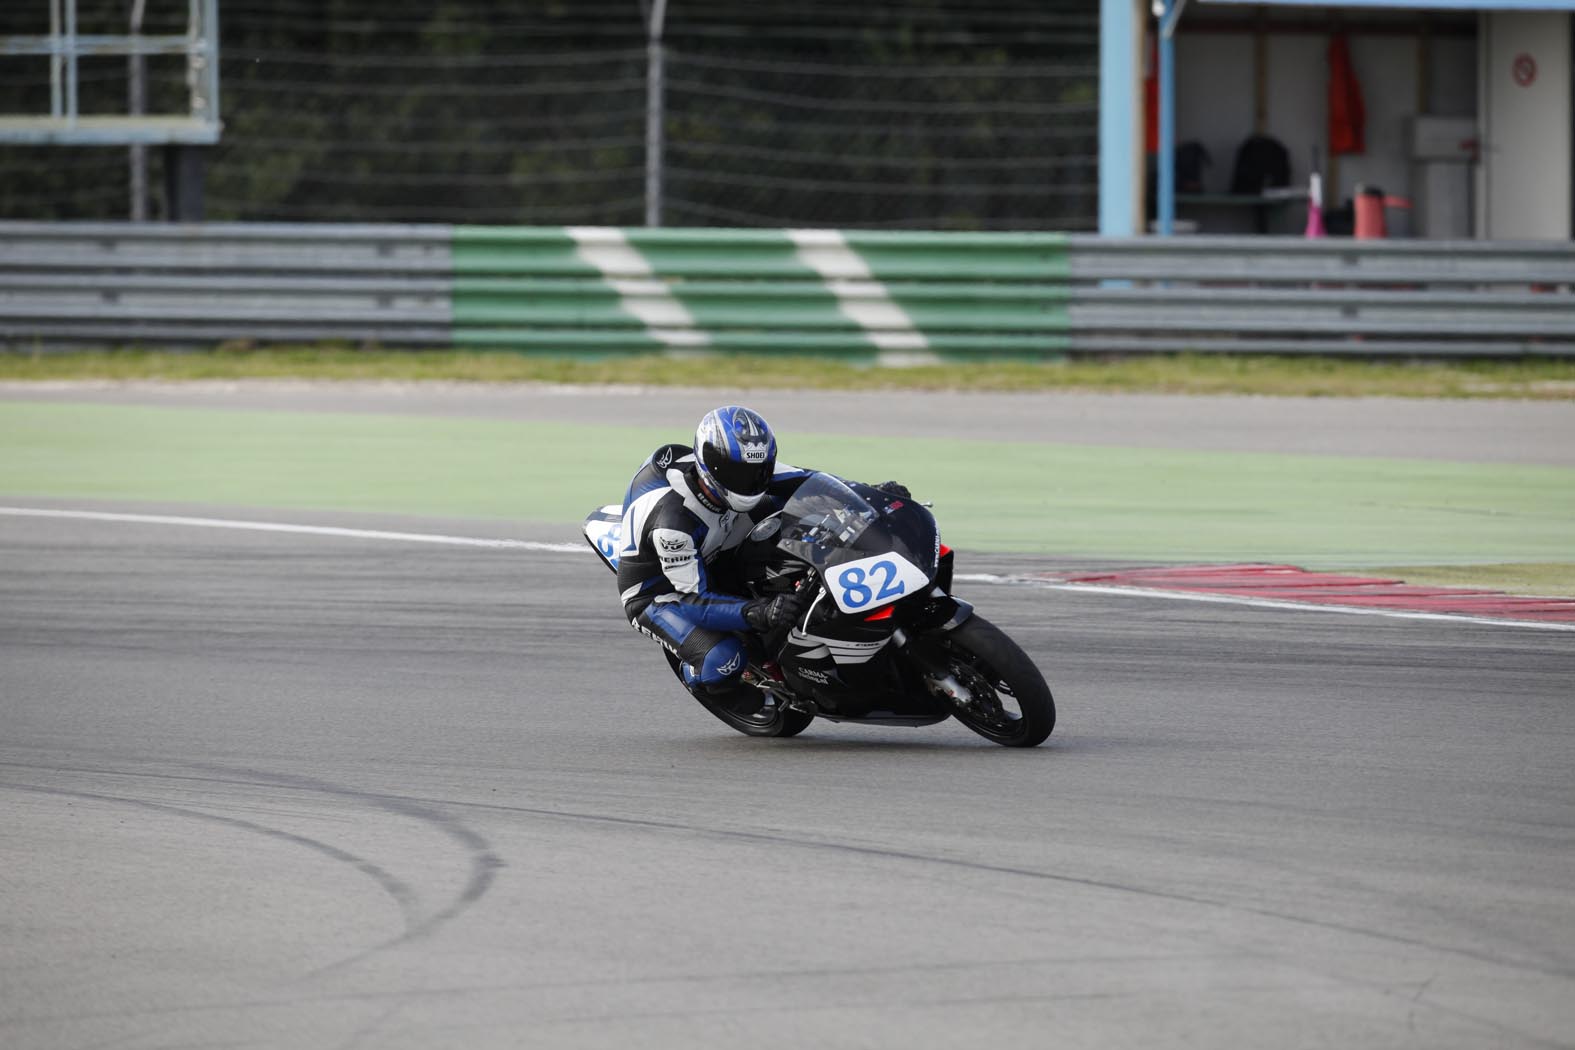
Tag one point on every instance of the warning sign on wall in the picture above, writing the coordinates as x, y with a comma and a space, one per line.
1524, 69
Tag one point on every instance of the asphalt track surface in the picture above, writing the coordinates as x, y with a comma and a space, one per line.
301, 791
304, 791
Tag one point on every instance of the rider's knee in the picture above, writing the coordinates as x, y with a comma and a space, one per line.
721, 666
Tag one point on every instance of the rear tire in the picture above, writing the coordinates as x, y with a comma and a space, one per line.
999, 676
784, 723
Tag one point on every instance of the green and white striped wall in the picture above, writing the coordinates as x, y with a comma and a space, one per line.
791, 291
894, 296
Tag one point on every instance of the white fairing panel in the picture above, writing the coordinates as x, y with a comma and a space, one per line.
605, 531
840, 651
869, 583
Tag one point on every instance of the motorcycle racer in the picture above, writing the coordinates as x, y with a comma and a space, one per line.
687, 512
782, 595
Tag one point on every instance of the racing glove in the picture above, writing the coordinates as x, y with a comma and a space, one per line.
895, 488
769, 614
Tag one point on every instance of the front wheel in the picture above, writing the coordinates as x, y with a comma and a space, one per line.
989, 684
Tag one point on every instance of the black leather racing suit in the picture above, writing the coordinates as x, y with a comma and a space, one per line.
675, 541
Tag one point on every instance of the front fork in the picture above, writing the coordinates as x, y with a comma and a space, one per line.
936, 673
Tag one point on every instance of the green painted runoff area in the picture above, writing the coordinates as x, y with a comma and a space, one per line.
994, 496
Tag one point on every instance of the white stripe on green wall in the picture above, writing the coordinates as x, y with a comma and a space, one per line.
640, 293
861, 298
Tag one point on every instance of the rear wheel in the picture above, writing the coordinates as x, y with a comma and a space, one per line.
738, 710
990, 685
771, 720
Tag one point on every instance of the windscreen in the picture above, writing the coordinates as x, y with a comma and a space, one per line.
870, 547
823, 517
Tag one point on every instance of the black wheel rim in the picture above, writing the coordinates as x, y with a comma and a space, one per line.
764, 718
992, 708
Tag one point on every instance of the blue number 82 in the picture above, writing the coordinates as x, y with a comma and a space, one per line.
856, 595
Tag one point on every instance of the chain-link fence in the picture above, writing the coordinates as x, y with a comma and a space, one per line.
937, 114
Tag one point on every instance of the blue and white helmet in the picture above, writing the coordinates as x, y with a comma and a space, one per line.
735, 456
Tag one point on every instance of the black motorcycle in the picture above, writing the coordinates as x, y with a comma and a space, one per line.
883, 640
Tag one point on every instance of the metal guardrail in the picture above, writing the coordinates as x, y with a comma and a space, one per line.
606, 290
115, 283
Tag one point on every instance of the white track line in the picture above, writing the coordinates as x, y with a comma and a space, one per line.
575, 548
1264, 603
313, 530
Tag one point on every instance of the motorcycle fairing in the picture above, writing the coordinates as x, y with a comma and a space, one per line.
844, 665
841, 651
837, 656
866, 584
604, 532
870, 548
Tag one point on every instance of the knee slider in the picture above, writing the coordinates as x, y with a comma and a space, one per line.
722, 664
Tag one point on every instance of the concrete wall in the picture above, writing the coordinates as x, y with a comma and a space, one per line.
1215, 104
1526, 124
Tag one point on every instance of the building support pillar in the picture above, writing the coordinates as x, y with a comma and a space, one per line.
1120, 117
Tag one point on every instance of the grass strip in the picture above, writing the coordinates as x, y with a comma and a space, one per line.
1548, 579
1165, 505
1175, 374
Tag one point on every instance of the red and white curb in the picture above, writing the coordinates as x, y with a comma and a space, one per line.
1289, 587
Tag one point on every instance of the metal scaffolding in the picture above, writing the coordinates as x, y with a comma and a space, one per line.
65, 47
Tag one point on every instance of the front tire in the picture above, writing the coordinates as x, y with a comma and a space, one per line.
1008, 700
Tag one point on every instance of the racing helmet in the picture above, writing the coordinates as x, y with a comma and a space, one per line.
735, 456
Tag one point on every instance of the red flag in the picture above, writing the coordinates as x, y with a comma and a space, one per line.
1347, 115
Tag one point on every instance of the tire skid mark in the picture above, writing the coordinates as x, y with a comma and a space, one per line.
478, 885
402, 894
405, 995
767, 838
484, 863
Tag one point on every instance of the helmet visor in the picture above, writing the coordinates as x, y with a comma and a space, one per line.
739, 478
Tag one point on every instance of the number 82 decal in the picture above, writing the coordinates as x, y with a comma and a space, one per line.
874, 581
